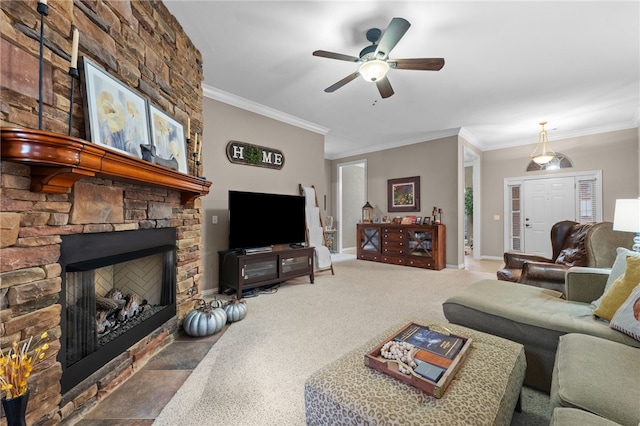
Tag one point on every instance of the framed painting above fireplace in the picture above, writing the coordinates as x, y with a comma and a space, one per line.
115, 115
168, 137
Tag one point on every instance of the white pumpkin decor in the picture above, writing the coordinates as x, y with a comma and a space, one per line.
204, 320
236, 310
217, 303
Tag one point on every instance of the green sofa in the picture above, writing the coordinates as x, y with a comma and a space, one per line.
595, 382
536, 317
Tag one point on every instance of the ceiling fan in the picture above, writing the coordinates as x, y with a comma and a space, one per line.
374, 59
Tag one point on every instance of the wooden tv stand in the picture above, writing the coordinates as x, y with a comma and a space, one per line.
243, 271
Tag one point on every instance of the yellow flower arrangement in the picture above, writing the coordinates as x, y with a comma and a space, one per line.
16, 366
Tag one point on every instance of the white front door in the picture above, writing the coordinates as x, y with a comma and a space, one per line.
546, 201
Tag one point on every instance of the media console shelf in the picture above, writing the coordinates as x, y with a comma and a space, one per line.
244, 271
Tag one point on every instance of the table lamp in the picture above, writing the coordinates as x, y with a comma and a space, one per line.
627, 218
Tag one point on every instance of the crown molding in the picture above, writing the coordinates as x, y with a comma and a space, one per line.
558, 136
237, 101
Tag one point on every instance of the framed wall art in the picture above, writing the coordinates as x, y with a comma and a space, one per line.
167, 136
115, 115
403, 194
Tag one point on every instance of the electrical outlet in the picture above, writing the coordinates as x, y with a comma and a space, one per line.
496, 217
214, 219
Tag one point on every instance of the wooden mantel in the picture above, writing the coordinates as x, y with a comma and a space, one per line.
58, 161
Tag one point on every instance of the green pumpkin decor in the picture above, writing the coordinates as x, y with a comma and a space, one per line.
204, 320
236, 310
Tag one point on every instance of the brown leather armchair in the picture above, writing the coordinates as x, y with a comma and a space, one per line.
573, 244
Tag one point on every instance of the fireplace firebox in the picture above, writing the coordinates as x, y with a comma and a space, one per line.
117, 288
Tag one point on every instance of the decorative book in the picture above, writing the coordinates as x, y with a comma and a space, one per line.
430, 365
430, 340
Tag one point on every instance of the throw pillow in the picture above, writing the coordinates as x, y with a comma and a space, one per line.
627, 317
574, 252
619, 265
620, 290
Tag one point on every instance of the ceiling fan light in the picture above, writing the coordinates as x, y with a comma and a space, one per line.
374, 70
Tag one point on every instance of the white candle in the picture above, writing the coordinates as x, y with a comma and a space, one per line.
188, 127
74, 48
200, 150
42, 1
195, 147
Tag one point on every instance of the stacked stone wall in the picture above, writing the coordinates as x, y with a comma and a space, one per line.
141, 44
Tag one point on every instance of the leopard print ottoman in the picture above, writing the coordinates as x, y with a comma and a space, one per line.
483, 392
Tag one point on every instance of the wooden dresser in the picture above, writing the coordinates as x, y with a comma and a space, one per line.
422, 246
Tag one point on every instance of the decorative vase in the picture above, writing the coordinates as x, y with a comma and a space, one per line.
15, 409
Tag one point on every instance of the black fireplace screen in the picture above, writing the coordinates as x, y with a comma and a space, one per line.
117, 288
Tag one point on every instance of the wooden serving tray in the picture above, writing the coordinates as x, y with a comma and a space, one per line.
374, 360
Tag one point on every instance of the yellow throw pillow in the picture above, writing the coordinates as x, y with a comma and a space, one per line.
620, 290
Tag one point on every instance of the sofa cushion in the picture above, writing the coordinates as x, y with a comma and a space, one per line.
620, 290
627, 317
618, 268
533, 306
563, 416
598, 376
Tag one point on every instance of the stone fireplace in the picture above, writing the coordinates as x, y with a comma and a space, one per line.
62, 187
70, 240
117, 288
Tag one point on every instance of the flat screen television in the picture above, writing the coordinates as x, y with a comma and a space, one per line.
263, 220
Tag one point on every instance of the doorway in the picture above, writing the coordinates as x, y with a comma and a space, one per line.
546, 201
471, 202
533, 204
352, 195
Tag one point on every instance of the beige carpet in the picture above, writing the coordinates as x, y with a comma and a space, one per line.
255, 373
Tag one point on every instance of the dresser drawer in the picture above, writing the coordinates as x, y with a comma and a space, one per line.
421, 262
393, 259
392, 234
369, 256
393, 248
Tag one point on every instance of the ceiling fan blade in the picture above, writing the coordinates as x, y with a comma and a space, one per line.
342, 82
392, 35
384, 87
426, 64
339, 56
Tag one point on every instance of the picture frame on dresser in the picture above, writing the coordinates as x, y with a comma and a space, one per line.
403, 194
115, 114
167, 135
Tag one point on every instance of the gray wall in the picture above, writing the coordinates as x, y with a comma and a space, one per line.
436, 162
615, 153
304, 164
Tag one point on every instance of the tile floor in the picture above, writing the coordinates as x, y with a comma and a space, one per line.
140, 399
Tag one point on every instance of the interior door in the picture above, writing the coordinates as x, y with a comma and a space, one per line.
545, 202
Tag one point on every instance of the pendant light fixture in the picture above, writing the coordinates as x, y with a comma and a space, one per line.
543, 152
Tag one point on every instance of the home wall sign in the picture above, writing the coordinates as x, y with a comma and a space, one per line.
254, 155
